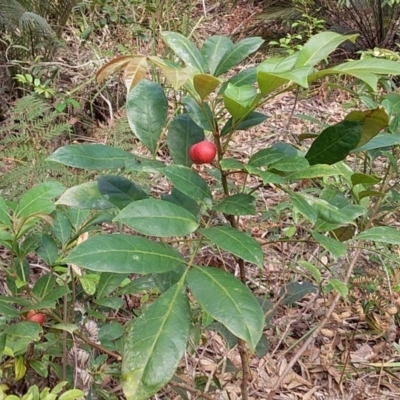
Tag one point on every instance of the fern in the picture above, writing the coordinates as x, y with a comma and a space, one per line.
27, 137
27, 21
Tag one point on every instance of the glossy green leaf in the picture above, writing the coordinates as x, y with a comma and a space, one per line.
290, 163
239, 100
364, 179
183, 133
158, 218
188, 182
146, 109
200, 114
110, 332
85, 196
333, 246
185, 50
214, 48
25, 329
270, 80
303, 206
228, 301
373, 122
108, 282
61, 227
266, 176
72, 394
205, 84
114, 303
124, 254
48, 250
379, 142
315, 171
238, 53
265, 157
295, 291
253, 119
8, 310
383, 234
237, 204
91, 156
231, 164
39, 199
120, 191
320, 46
236, 242
154, 344
181, 199
334, 143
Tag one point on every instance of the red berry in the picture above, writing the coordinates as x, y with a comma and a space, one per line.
34, 316
202, 152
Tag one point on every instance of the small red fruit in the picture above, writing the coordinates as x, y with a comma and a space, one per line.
36, 317
202, 152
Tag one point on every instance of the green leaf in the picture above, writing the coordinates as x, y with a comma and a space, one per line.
373, 122
110, 302
108, 283
205, 84
303, 206
315, 171
237, 54
333, 246
315, 272
381, 234
379, 142
8, 310
39, 200
72, 394
120, 191
182, 200
265, 157
320, 46
200, 114
290, 163
158, 218
214, 48
62, 227
25, 329
124, 254
271, 80
4, 217
110, 332
185, 50
183, 133
239, 100
236, 242
339, 286
334, 143
48, 250
91, 156
228, 301
85, 196
146, 109
330, 213
155, 343
253, 119
295, 291
237, 204
364, 179
188, 182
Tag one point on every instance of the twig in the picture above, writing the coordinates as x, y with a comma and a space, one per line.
190, 389
244, 358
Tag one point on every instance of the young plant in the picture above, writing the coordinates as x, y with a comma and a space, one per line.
196, 213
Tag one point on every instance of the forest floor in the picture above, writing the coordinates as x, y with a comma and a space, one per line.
347, 359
